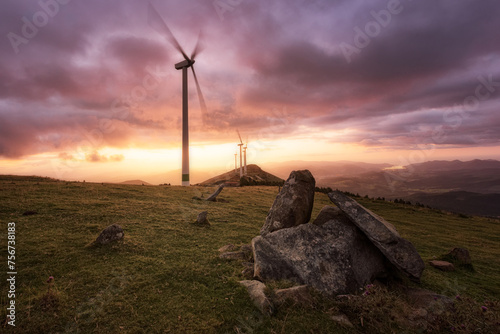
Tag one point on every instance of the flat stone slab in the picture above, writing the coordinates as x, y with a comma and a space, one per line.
400, 252
442, 265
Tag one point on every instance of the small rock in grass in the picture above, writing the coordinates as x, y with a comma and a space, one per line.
461, 255
109, 234
343, 320
256, 291
442, 265
202, 218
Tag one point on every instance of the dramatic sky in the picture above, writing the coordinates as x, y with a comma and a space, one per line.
89, 88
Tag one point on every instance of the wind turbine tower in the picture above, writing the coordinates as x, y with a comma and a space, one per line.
245, 157
157, 22
235, 164
241, 157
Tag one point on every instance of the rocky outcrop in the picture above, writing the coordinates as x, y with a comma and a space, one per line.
109, 234
334, 258
294, 203
400, 252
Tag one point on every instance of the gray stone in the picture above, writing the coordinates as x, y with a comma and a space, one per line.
234, 256
213, 197
461, 255
328, 213
109, 234
256, 291
202, 218
334, 258
343, 320
442, 265
400, 252
294, 203
299, 295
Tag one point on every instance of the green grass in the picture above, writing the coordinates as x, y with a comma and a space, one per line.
166, 277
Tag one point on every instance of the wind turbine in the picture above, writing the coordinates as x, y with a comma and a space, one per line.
240, 145
235, 164
245, 157
157, 22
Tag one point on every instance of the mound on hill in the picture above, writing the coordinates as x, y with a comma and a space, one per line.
136, 182
255, 175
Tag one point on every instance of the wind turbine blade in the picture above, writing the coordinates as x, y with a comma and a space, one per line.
241, 141
200, 96
156, 21
198, 47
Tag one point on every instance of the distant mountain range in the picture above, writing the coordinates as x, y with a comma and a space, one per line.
470, 187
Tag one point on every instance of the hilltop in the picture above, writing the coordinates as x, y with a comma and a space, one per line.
166, 275
255, 175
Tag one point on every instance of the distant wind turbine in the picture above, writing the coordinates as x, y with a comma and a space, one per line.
240, 145
245, 157
157, 22
235, 164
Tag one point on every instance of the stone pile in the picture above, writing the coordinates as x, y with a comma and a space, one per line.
345, 248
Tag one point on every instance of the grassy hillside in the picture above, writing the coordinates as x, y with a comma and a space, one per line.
166, 277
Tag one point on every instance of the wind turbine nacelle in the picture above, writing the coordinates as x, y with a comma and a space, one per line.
184, 63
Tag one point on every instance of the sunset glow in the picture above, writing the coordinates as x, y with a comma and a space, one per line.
91, 93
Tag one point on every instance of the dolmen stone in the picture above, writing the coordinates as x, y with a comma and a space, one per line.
400, 252
109, 234
334, 258
328, 213
294, 203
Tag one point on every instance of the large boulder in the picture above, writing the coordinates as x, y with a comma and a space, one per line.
294, 203
334, 258
400, 252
